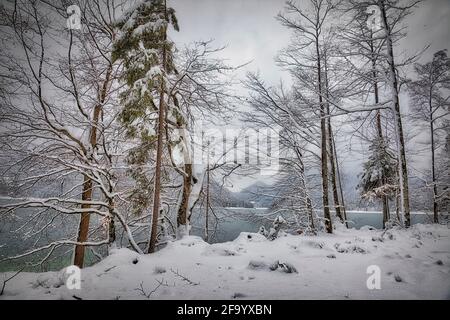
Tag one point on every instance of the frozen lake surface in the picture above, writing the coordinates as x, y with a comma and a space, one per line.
233, 221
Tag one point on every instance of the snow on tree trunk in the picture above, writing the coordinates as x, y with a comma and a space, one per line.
331, 154
276, 227
147, 55
208, 174
188, 181
429, 95
433, 169
393, 83
189, 200
83, 229
157, 186
324, 142
385, 199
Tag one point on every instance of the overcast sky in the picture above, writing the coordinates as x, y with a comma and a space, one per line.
247, 27
251, 33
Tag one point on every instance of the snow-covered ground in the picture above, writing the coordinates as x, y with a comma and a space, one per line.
414, 264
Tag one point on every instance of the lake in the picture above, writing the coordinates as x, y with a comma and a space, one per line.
233, 221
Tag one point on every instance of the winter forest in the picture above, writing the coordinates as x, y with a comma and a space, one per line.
195, 149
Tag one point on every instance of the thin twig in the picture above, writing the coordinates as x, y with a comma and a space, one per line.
184, 278
142, 291
10, 278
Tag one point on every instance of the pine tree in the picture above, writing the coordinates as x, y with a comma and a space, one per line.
378, 179
148, 59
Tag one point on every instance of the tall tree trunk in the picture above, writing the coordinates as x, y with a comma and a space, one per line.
185, 205
331, 154
447, 170
337, 204
159, 151
324, 141
403, 170
308, 204
207, 204
83, 229
341, 192
111, 227
183, 209
111, 224
157, 184
183, 212
433, 168
397, 207
384, 199
311, 213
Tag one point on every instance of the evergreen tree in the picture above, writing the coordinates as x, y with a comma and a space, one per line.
379, 176
148, 58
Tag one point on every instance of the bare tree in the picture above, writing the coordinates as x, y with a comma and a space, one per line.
360, 43
330, 94
201, 95
298, 136
56, 128
378, 48
391, 13
431, 104
308, 25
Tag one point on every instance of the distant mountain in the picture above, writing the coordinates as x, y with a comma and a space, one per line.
258, 195
222, 197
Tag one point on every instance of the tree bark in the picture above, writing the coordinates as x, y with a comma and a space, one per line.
433, 168
159, 151
308, 204
157, 184
207, 204
83, 229
324, 154
403, 170
183, 210
331, 154
384, 199
341, 192
111, 224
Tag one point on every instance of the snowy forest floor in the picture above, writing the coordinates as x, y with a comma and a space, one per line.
414, 264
